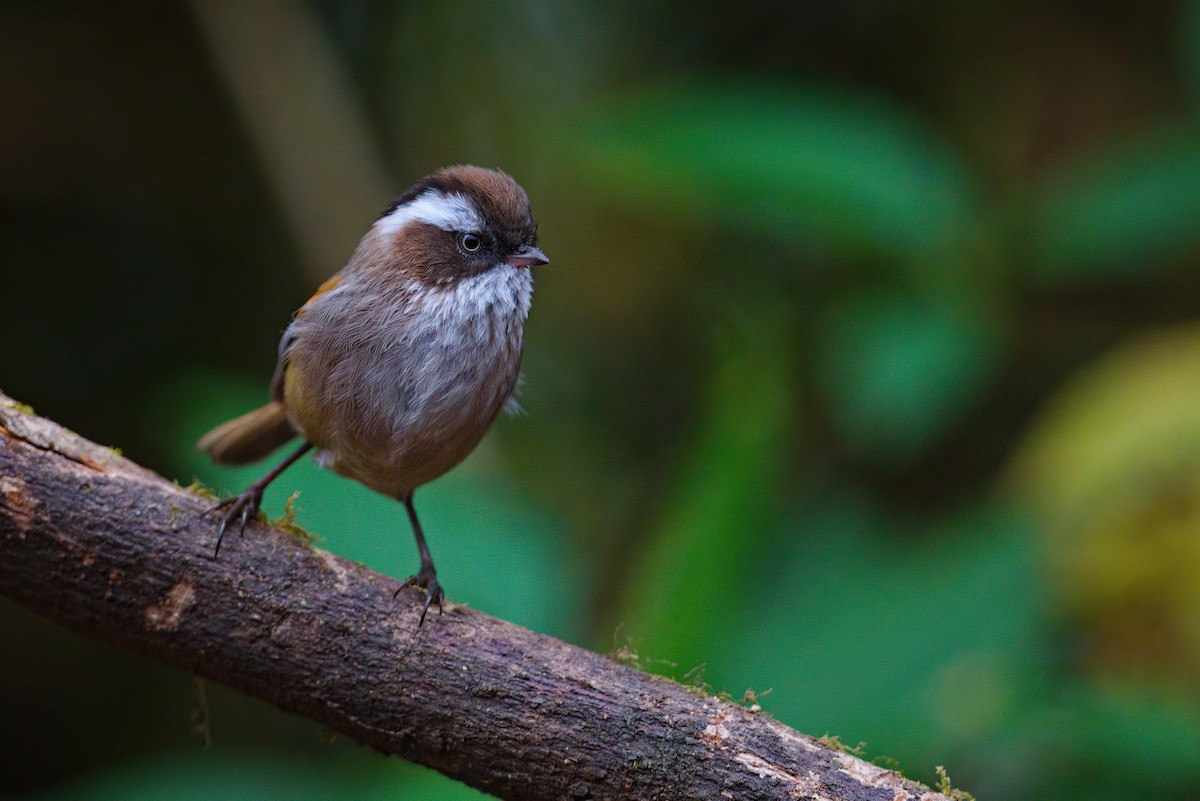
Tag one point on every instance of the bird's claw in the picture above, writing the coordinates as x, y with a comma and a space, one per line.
427, 581
237, 507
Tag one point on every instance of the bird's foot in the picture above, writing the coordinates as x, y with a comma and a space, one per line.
237, 508
426, 580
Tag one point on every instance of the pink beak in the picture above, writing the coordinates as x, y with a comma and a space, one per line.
526, 256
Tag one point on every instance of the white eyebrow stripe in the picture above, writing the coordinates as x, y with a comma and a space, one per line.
452, 212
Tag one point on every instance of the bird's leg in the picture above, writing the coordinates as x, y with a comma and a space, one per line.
245, 505
426, 577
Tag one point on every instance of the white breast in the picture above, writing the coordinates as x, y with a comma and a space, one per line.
431, 367
463, 355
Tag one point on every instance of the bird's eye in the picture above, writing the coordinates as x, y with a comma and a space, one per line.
471, 243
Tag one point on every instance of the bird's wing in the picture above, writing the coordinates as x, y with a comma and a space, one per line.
289, 335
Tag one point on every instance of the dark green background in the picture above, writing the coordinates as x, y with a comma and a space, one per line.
867, 370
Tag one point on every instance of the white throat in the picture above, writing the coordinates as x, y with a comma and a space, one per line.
499, 295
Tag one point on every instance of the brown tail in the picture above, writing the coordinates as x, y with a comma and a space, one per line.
250, 437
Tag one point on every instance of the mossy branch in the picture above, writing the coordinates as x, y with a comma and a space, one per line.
116, 553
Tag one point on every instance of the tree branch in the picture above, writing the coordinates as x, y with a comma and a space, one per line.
114, 552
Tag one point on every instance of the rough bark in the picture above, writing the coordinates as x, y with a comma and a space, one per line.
114, 552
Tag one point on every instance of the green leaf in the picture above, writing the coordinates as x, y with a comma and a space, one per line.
899, 372
1154, 728
697, 555
858, 174
862, 629
1120, 212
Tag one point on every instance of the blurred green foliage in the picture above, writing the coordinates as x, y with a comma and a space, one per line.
1114, 214
866, 371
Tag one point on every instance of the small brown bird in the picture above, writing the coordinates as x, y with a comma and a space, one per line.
397, 366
